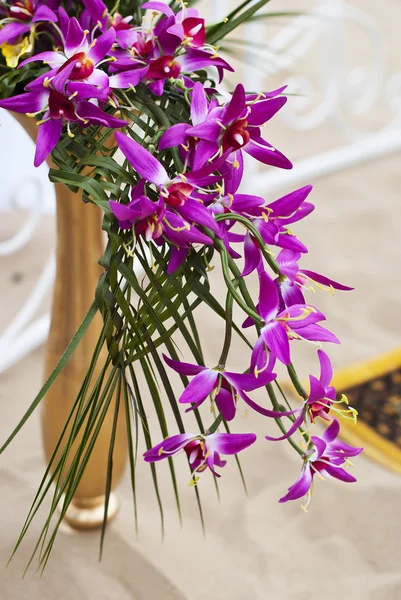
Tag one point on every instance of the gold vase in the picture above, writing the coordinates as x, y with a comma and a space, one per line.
79, 247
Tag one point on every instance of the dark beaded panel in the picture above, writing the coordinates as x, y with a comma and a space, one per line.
378, 403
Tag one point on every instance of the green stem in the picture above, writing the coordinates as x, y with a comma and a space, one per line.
213, 428
251, 227
277, 407
224, 264
296, 382
229, 330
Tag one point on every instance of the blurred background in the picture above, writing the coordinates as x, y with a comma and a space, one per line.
342, 129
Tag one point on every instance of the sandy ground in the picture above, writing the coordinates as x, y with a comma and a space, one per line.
347, 546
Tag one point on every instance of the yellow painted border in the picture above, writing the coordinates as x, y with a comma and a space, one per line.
360, 434
375, 447
366, 371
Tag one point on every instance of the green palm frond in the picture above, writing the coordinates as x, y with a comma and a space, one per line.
142, 314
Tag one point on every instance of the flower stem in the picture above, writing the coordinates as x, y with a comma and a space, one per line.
296, 382
250, 226
277, 407
224, 264
229, 330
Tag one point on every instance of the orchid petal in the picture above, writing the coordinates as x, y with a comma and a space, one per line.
196, 59
200, 387
75, 36
36, 85
320, 447
303, 211
317, 391
174, 136
287, 261
290, 242
273, 414
226, 404
294, 427
331, 432
301, 316
203, 153
291, 293
157, 87
267, 154
159, 7
209, 130
167, 447
51, 58
326, 370
183, 368
289, 203
244, 202
26, 103
123, 213
339, 473
13, 30
85, 91
236, 107
199, 105
276, 339
44, 13
127, 79
259, 358
263, 111
252, 255
268, 297
48, 135
195, 212
233, 174
201, 175
325, 280
102, 45
144, 163
97, 10
177, 257
300, 487
341, 449
88, 110
316, 333
268, 230
231, 443
248, 382
59, 81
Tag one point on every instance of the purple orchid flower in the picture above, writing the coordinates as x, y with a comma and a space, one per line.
321, 400
96, 13
21, 16
187, 25
59, 109
158, 52
177, 193
236, 127
154, 221
297, 322
203, 451
297, 279
75, 71
272, 223
224, 386
195, 152
326, 457
321, 394
79, 61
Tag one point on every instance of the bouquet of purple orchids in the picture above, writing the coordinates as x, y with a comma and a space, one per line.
174, 204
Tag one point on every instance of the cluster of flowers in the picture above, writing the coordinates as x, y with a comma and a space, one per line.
94, 58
